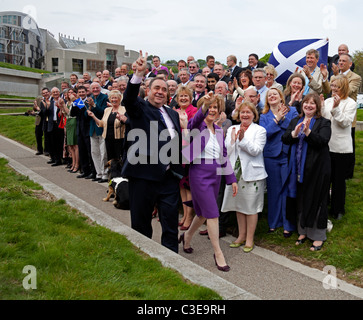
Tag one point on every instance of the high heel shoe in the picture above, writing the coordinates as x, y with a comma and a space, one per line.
187, 250
225, 268
75, 170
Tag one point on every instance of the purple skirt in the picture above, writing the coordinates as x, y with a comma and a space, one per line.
204, 186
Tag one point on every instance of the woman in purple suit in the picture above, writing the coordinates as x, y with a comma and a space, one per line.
208, 157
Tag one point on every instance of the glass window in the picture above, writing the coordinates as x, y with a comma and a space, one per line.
77, 65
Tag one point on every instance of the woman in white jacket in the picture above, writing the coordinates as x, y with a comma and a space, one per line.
341, 111
245, 143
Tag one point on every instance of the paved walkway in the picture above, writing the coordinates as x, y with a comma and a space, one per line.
261, 274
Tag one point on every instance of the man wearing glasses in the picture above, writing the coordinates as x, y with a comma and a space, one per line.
193, 69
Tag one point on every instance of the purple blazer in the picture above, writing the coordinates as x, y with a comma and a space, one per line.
199, 136
162, 68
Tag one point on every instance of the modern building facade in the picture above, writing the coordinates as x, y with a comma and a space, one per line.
85, 57
21, 41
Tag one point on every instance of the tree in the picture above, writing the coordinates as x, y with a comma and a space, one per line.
358, 61
265, 58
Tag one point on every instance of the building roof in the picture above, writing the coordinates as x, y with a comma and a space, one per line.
69, 43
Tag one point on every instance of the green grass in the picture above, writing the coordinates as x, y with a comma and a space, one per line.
360, 115
14, 110
16, 97
19, 128
74, 259
22, 68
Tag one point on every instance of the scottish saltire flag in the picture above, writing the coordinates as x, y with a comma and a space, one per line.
289, 55
79, 103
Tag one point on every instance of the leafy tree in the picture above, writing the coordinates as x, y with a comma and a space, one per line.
358, 61
265, 58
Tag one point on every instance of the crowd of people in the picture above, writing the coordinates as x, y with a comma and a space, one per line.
237, 134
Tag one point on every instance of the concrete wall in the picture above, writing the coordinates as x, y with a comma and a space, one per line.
19, 83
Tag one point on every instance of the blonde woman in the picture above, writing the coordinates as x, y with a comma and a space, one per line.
184, 98
341, 111
271, 75
113, 123
275, 118
245, 144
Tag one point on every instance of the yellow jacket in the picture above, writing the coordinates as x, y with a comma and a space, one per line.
119, 127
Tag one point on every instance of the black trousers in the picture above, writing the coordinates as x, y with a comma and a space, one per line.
84, 151
144, 195
39, 137
56, 143
223, 216
114, 148
340, 169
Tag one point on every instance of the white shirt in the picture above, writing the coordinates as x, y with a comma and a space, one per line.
168, 121
212, 149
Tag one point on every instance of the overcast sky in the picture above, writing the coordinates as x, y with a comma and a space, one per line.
175, 29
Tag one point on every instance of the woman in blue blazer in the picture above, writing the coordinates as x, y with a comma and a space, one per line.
275, 118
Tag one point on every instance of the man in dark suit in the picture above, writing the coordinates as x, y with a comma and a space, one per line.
233, 68
56, 134
148, 71
153, 162
200, 86
219, 69
83, 138
254, 63
333, 61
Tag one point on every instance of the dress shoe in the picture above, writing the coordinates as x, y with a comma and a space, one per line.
57, 163
90, 176
287, 234
340, 216
186, 250
103, 181
50, 161
83, 175
96, 179
46, 154
225, 268
38, 153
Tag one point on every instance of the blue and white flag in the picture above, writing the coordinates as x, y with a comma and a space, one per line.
289, 55
79, 103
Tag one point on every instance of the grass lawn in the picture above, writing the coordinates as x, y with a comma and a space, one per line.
15, 110
343, 249
74, 258
360, 115
22, 68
